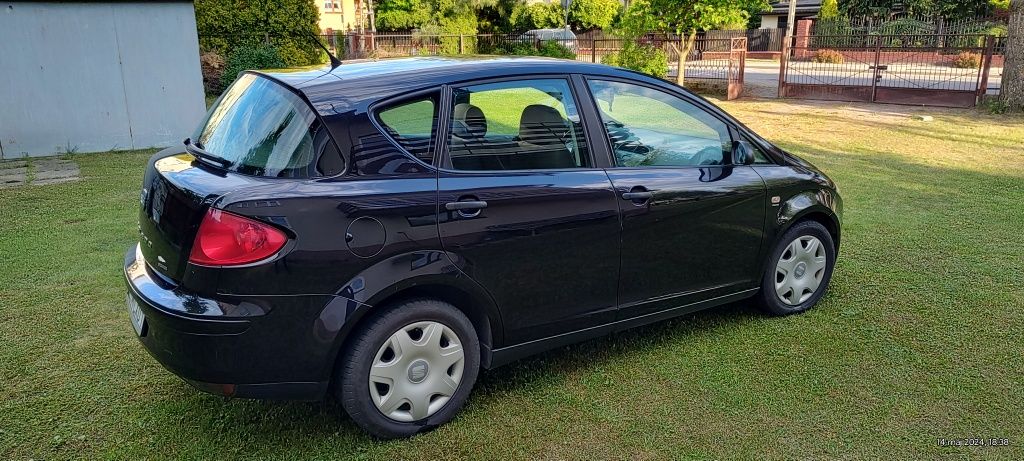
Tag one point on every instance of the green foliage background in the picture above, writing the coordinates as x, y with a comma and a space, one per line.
593, 14
537, 16
247, 57
224, 25
402, 14
950, 9
829, 10
641, 58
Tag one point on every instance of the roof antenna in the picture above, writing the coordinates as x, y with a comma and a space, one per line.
335, 62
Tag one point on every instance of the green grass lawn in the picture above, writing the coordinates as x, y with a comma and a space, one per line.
919, 338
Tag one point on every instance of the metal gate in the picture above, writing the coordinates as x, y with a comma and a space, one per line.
932, 70
715, 64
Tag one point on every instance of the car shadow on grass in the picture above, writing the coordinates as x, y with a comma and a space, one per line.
326, 423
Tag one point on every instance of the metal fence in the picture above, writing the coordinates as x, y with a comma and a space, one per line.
758, 40
937, 70
909, 24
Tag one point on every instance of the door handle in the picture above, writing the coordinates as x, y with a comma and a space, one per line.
637, 196
467, 205
466, 208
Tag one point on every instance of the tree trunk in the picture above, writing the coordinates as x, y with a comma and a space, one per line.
373, 25
1012, 88
683, 53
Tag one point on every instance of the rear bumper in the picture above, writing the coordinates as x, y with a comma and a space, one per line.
258, 347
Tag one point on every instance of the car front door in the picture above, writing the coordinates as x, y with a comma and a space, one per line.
525, 210
691, 220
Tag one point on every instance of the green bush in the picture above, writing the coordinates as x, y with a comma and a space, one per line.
967, 60
828, 57
641, 58
547, 48
251, 57
554, 49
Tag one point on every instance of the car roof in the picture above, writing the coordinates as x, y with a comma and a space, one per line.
358, 81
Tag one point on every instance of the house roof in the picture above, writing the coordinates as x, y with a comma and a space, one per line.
803, 7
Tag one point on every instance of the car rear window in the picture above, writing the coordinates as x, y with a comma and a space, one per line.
262, 129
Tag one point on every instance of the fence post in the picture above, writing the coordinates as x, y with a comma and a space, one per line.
941, 33
877, 72
783, 64
986, 65
462, 45
593, 50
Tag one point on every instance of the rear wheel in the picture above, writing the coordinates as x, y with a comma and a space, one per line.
799, 270
410, 369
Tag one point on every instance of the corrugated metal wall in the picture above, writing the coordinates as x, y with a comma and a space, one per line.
97, 76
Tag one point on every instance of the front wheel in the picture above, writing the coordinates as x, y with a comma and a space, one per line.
410, 369
799, 270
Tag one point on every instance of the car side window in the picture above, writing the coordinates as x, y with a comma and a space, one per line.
516, 125
413, 125
648, 127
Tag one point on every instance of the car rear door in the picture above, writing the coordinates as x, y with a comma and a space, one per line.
691, 221
525, 210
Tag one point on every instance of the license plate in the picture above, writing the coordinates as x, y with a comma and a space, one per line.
135, 312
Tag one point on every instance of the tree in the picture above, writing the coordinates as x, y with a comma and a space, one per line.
1011, 92
289, 25
593, 14
537, 16
685, 19
402, 14
829, 10
495, 16
451, 18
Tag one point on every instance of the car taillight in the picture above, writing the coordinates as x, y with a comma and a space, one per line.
227, 239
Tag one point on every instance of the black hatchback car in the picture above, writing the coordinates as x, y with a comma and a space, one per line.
383, 230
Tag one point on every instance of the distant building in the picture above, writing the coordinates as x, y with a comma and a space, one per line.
341, 15
778, 17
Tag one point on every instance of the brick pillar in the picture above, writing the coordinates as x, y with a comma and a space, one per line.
802, 31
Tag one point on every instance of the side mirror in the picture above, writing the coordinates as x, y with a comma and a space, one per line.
742, 153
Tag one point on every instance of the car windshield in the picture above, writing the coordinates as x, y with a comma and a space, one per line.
259, 128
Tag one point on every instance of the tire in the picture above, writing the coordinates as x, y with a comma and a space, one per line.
800, 271
418, 372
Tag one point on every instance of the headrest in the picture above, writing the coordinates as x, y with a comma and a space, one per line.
542, 125
469, 121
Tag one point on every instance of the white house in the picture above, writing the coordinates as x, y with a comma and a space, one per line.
777, 17
84, 76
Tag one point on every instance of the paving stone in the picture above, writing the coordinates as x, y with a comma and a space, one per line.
12, 164
42, 171
11, 180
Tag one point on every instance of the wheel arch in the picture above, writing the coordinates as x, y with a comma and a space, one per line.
354, 307
473, 305
826, 219
822, 206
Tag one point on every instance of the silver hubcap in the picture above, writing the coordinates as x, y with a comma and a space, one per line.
800, 270
416, 371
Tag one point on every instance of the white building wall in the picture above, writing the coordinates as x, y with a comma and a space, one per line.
97, 76
769, 21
